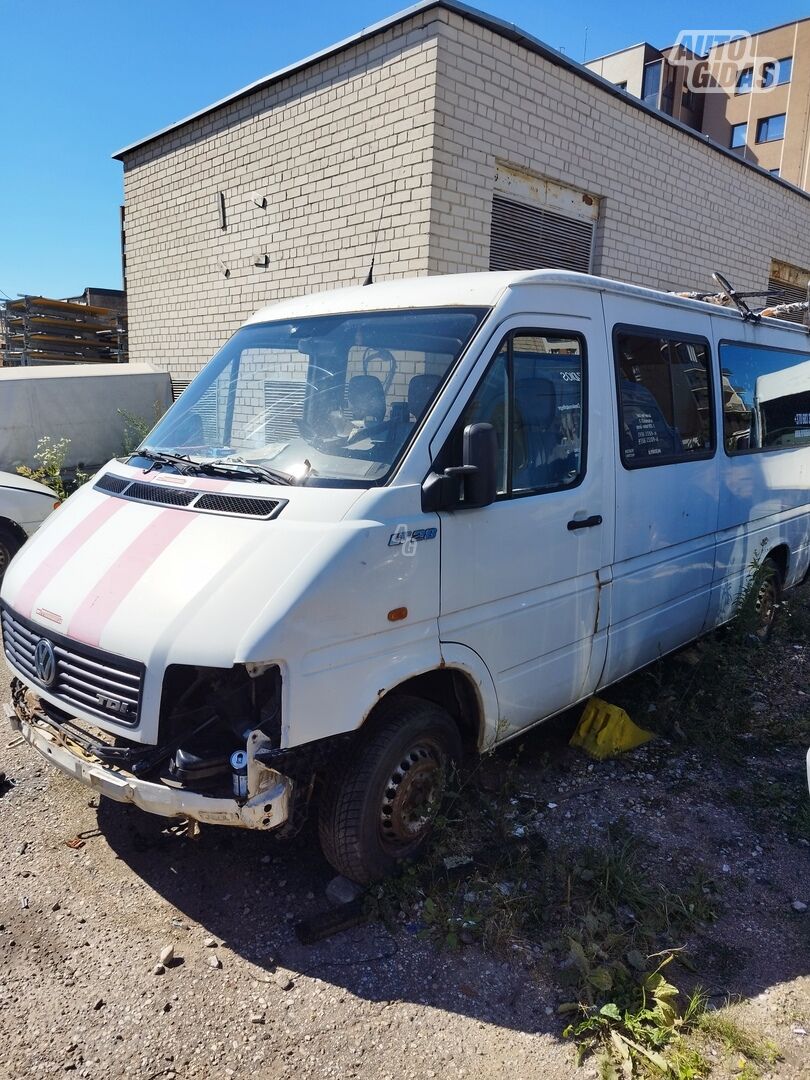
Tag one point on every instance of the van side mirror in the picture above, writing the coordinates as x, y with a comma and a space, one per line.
472, 484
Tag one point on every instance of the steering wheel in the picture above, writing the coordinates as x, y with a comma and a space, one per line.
366, 433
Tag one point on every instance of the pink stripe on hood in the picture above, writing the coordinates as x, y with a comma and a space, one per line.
65, 549
88, 622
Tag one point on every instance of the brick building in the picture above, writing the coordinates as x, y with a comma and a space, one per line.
470, 144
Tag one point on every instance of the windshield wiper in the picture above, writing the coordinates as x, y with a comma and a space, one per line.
250, 468
182, 462
185, 464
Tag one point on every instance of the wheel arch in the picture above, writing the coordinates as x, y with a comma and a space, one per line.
462, 692
16, 530
780, 555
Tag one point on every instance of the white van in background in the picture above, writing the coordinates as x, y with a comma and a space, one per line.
391, 523
24, 505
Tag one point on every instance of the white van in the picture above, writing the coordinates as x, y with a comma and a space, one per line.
388, 524
24, 505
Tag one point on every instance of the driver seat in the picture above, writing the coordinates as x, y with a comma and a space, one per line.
365, 397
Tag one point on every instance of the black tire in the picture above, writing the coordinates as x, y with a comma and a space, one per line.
9, 546
379, 802
768, 596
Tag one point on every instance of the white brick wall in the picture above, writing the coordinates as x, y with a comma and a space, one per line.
326, 148
418, 116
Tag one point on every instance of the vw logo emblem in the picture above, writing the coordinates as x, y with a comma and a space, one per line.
45, 662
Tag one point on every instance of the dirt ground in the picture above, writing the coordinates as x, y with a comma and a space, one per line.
91, 894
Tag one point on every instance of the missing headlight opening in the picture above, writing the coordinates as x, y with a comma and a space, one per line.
207, 715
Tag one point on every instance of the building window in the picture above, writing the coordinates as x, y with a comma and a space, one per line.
665, 399
745, 81
738, 134
771, 128
777, 72
651, 84
766, 397
533, 395
689, 99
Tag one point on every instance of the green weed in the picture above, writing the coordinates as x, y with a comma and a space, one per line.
136, 427
51, 454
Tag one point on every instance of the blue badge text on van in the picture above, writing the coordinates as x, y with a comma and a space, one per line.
402, 536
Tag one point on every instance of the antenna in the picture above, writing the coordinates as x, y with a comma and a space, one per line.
585, 46
370, 275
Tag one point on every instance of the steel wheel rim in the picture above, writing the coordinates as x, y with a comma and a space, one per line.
412, 795
766, 603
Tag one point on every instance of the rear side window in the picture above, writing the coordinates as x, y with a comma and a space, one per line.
664, 388
766, 397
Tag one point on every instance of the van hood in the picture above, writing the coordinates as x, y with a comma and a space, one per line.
133, 571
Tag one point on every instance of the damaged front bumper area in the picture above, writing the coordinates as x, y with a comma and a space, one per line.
270, 793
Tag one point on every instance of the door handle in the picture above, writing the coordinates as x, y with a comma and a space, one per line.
585, 523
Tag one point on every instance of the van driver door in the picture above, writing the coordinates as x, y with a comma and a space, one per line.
521, 578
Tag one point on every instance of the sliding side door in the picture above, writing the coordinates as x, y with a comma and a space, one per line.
666, 480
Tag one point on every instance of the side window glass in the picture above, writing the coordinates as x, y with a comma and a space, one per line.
490, 405
532, 394
766, 397
547, 415
664, 398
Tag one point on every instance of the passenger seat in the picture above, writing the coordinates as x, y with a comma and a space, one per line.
421, 389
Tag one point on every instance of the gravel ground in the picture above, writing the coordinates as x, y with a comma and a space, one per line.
91, 895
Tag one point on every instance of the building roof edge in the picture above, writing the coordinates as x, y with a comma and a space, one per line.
491, 22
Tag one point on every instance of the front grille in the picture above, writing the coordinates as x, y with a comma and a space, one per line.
204, 502
100, 684
235, 504
158, 493
110, 482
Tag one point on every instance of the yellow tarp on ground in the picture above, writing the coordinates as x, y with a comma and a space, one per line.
605, 730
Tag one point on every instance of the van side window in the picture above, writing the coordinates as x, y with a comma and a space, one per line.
766, 397
665, 401
490, 405
532, 394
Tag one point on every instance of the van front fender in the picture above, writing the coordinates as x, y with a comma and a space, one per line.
334, 689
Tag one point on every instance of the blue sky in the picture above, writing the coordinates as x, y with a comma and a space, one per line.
79, 81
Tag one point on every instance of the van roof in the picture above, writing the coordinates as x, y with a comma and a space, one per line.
473, 290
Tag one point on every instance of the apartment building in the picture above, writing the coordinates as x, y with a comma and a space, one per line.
760, 104
659, 77
750, 93
445, 140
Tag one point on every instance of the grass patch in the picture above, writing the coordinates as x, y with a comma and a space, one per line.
603, 922
724, 689
719, 1027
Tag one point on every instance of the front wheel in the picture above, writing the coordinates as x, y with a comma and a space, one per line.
380, 801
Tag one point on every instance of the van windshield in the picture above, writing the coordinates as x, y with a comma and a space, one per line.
331, 399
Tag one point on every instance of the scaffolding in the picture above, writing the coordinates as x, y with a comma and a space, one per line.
37, 330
